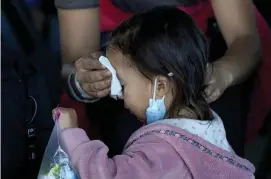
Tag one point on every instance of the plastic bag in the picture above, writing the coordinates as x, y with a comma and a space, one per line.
56, 163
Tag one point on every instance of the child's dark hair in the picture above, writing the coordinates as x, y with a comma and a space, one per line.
166, 40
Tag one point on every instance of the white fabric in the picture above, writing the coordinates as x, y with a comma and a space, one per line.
211, 131
116, 89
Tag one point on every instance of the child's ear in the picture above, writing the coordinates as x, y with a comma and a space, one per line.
162, 86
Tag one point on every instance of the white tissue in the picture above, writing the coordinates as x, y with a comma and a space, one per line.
115, 84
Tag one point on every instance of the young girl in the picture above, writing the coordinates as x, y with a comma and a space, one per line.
160, 58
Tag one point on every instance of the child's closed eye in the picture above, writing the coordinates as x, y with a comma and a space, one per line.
122, 88
122, 91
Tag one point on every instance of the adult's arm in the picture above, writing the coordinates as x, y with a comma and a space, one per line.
237, 23
79, 23
79, 28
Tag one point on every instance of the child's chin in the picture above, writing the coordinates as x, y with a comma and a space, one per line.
139, 117
134, 113
142, 120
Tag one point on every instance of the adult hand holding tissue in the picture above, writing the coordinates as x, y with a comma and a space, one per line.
98, 78
93, 77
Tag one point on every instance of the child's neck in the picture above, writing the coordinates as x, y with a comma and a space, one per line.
185, 113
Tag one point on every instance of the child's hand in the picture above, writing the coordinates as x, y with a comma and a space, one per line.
67, 117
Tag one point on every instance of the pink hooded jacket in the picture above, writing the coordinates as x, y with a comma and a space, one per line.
152, 152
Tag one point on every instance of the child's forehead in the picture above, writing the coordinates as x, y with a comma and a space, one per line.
117, 58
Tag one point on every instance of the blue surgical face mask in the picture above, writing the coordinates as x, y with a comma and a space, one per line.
157, 109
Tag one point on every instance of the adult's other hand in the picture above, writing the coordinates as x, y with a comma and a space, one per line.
93, 77
217, 80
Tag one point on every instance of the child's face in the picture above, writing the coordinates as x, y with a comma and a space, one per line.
137, 89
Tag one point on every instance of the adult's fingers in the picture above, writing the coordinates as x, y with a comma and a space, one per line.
215, 94
96, 55
97, 86
100, 94
209, 73
88, 63
92, 76
208, 92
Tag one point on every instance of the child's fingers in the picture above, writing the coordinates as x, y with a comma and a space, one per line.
63, 110
54, 113
60, 110
67, 113
66, 117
